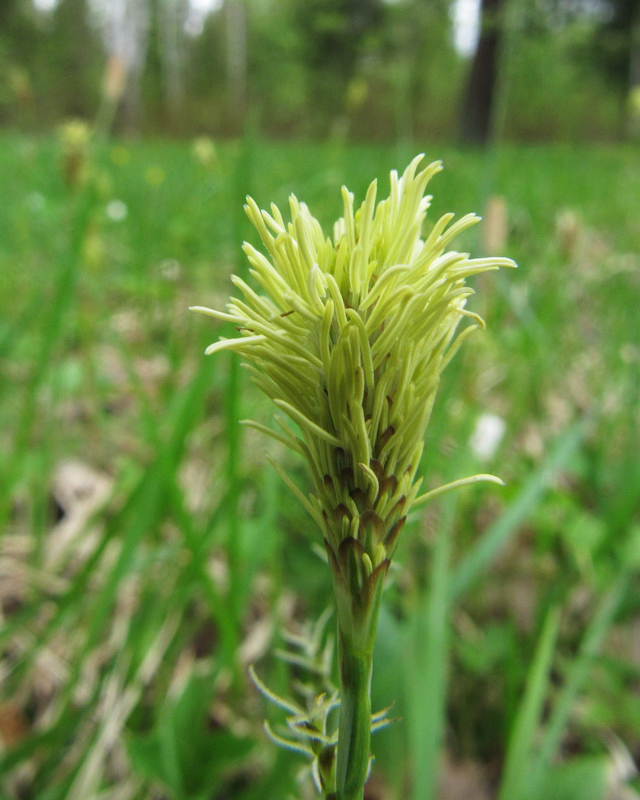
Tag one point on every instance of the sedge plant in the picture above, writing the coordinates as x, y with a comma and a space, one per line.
348, 336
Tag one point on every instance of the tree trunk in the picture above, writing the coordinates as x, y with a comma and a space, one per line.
172, 16
236, 34
126, 34
480, 94
633, 98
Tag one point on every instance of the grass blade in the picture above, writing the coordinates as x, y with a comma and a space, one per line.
521, 742
427, 665
472, 566
577, 673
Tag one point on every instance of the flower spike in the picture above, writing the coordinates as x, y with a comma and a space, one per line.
348, 337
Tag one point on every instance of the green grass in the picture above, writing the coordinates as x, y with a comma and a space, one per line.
128, 617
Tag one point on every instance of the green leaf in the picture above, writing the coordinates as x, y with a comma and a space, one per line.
521, 742
578, 671
582, 778
180, 752
480, 556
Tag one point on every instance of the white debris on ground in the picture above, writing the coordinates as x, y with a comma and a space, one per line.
487, 435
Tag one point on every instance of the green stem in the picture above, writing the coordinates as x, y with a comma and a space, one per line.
354, 731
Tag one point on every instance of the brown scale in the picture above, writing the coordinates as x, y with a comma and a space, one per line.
392, 537
346, 476
341, 511
387, 484
341, 458
370, 521
384, 437
372, 529
397, 509
360, 498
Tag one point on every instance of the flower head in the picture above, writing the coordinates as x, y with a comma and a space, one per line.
348, 337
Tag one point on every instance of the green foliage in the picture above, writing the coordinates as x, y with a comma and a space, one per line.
582, 778
180, 752
368, 69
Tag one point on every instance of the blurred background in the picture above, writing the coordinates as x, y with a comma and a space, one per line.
148, 552
374, 69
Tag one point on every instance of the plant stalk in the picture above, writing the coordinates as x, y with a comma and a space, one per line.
354, 729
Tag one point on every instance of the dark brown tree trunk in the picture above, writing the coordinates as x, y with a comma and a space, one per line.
480, 94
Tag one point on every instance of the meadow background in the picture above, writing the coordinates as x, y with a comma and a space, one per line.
148, 552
